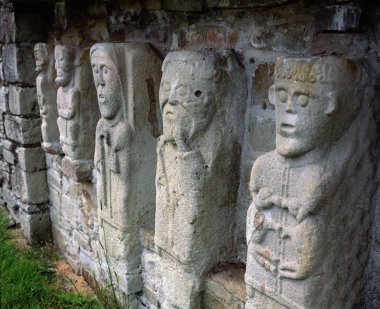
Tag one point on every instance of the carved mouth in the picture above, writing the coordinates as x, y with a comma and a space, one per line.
287, 128
101, 98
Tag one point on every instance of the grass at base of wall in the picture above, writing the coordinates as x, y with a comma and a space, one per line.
27, 282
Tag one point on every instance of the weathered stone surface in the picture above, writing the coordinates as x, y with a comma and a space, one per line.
47, 97
186, 6
23, 130
9, 156
77, 112
200, 94
226, 289
18, 64
4, 96
23, 101
31, 159
125, 156
31, 186
243, 3
311, 199
36, 226
340, 17
77, 170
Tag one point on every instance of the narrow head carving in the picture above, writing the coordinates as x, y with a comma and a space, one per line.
108, 67
315, 101
64, 64
41, 55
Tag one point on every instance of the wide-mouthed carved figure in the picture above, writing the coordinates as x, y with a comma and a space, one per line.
202, 97
126, 79
47, 97
77, 112
307, 224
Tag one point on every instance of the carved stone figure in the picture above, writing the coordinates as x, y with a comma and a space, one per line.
47, 97
307, 224
202, 96
127, 79
77, 113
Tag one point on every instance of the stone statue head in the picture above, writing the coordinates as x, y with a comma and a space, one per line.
41, 55
108, 67
189, 93
64, 64
315, 100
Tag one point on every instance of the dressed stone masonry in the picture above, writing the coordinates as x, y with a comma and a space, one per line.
78, 113
47, 97
308, 224
127, 78
202, 99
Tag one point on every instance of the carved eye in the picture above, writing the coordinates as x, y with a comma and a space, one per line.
105, 70
182, 90
95, 69
303, 100
282, 96
198, 93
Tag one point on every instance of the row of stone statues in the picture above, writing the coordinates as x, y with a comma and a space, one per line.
167, 152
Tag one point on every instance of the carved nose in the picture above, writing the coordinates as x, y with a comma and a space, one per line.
173, 96
101, 79
290, 106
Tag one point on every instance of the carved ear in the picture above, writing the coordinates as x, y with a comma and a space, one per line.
332, 104
272, 95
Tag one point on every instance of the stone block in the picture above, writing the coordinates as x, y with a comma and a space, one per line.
55, 199
341, 17
23, 101
31, 159
349, 44
7, 25
4, 99
32, 187
54, 179
70, 211
18, 64
9, 156
82, 240
23, 130
10, 145
77, 170
183, 6
243, 3
36, 227
226, 289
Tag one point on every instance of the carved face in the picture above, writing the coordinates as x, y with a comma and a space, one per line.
64, 65
107, 83
187, 103
41, 57
303, 116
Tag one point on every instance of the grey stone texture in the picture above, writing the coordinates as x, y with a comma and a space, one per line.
184, 269
18, 64
47, 97
311, 200
127, 79
198, 156
77, 112
23, 101
23, 130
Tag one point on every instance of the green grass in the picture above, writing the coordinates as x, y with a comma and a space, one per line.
27, 282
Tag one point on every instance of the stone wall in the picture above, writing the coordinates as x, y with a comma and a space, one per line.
199, 253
